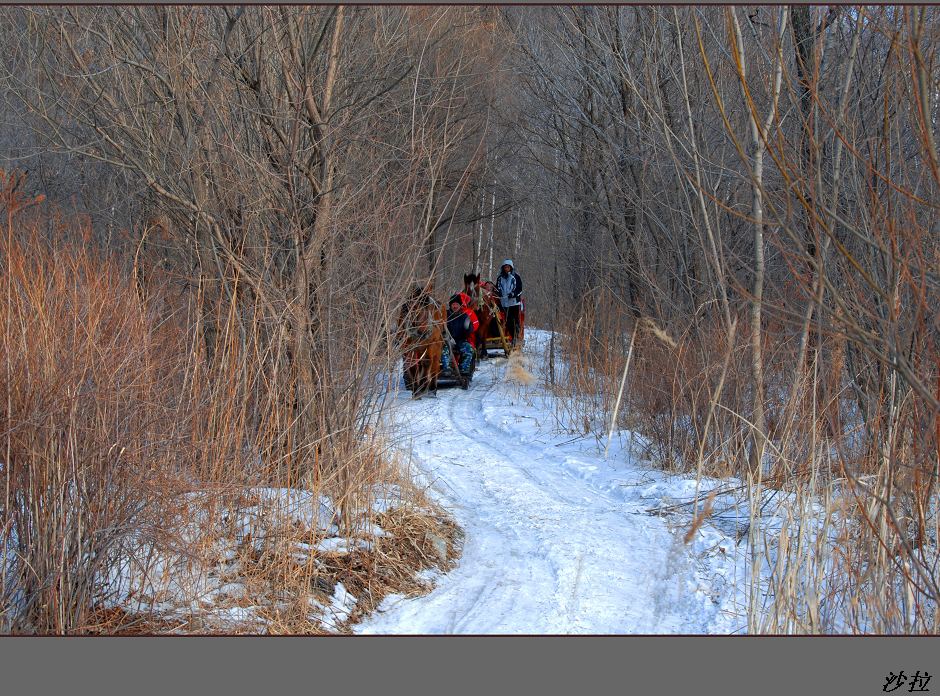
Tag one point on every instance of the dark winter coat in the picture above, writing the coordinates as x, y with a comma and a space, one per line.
461, 324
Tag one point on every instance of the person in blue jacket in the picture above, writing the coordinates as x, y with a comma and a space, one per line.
509, 286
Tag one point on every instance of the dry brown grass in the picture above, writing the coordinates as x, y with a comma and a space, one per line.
88, 415
128, 457
519, 369
286, 585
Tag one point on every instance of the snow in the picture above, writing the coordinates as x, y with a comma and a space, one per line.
293, 504
341, 605
558, 540
342, 545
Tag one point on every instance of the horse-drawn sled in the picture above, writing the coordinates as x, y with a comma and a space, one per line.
431, 357
493, 333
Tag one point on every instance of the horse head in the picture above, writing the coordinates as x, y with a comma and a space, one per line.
471, 281
473, 286
409, 315
488, 291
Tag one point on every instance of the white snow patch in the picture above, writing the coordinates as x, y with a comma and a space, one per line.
341, 605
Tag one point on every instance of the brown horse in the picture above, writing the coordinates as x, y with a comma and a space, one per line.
474, 288
420, 325
485, 302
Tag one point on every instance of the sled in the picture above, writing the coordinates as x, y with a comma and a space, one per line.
501, 340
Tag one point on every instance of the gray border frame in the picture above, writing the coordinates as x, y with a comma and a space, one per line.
443, 665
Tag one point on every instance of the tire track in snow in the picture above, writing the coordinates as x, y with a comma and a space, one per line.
544, 552
578, 549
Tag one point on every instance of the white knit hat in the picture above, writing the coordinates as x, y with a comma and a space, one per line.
507, 262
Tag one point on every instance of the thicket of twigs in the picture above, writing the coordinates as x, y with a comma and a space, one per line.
248, 194
747, 196
759, 189
124, 446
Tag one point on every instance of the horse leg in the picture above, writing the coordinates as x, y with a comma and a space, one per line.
415, 380
486, 328
434, 370
480, 341
425, 379
423, 384
434, 367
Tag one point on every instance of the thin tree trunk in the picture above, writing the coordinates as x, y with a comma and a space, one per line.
311, 252
758, 419
478, 253
492, 220
714, 256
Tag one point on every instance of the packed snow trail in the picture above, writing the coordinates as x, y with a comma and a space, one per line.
557, 540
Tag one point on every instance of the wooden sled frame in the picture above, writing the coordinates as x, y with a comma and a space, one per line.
501, 341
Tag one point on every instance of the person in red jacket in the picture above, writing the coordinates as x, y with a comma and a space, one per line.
466, 303
465, 300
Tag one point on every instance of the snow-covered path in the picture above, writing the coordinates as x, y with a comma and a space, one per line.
557, 540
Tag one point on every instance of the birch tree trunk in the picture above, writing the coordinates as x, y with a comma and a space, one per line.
758, 136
